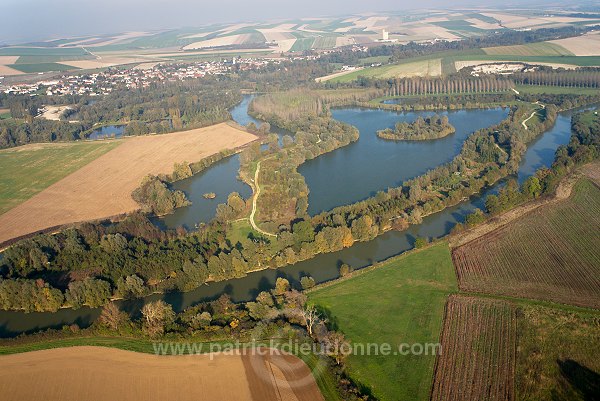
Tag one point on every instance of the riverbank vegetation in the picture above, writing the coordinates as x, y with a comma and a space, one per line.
422, 129
276, 318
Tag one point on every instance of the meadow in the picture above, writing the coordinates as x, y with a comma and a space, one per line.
398, 301
30, 169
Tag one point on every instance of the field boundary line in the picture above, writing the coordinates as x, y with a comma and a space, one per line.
563, 191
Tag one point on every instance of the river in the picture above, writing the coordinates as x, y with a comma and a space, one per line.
322, 267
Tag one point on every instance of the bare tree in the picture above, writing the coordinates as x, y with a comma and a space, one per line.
112, 317
311, 317
156, 316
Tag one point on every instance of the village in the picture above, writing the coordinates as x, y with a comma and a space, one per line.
136, 77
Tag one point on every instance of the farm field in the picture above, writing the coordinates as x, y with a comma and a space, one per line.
29, 169
549, 254
432, 68
585, 45
103, 187
530, 49
97, 373
41, 67
399, 301
478, 351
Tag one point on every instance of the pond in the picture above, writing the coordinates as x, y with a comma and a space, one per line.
322, 267
108, 131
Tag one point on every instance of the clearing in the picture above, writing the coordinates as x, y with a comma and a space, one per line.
97, 373
29, 169
398, 301
550, 253
103, 188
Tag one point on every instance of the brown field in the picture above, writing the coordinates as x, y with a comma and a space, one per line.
8, 59
98, 374
585, 45
5, 71
103, 187
477, 361
550, 253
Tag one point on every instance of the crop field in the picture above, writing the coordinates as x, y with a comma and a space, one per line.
97, 373
531, 49
41, 67
42, 51
29, 169
399, 301
549, 254
422, 68
103, 188
585, 45
478, 351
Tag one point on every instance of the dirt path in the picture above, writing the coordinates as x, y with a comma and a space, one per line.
524, 123
254, 199
563, 191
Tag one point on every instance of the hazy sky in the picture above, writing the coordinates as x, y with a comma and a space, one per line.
22, 20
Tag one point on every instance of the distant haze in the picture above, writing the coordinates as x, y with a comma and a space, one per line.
25, 20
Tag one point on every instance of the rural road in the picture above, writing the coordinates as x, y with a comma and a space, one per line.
532, 114
252, 222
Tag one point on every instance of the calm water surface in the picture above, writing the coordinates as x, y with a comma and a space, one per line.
325, 267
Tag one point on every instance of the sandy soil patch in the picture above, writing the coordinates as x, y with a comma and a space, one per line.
53, 112
104, 62
145, 66
429, 32
344, 41
103, 187
5, 71
98, 374
491, 65
217, 42
477, 23
93, 42
335, 75
585, 45
8, 59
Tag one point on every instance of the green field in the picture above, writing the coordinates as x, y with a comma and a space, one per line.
38, 51
41, 67
30, 169
302, 44
400, 301
557, 354
430, 67
448, 58
531, 49
52, 59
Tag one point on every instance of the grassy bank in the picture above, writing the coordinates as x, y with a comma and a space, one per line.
400, 301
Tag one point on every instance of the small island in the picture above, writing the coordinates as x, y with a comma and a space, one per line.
210, 195
423, 129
